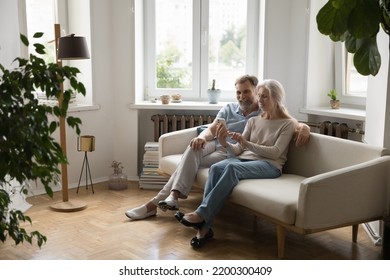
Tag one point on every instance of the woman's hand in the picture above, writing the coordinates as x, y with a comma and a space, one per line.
238, 138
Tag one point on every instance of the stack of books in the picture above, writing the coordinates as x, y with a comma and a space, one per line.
150, 177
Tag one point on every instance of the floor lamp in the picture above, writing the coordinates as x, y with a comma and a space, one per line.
68, 48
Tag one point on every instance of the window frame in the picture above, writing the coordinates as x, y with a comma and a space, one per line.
341, 76
200, 84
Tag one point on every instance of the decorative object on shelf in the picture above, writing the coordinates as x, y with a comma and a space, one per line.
334, 102
165, 99
117, 180
176, 98
213, 94
86, 143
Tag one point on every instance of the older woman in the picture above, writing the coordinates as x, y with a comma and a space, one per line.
259, 152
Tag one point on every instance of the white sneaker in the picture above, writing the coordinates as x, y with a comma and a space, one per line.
140, 213
170, 203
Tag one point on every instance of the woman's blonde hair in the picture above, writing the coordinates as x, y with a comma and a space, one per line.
277, 93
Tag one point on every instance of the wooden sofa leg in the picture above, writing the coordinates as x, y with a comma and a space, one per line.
355, 229
281, 237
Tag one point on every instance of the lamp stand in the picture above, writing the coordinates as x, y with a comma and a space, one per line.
87, 172
65, 205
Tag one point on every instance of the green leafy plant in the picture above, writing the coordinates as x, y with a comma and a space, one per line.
28, 151
332, 94
357, 23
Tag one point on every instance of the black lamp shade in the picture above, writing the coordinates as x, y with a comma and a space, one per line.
72, 47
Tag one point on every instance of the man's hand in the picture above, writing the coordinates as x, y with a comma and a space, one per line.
222, 133
197, 143
302, 134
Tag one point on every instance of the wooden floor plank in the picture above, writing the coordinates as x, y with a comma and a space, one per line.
103, 232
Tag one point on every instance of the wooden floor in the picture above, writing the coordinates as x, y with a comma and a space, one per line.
103, 232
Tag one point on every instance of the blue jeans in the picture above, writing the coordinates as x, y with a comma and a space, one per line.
224, 176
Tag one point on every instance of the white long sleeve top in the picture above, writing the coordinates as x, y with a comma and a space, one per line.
267, 139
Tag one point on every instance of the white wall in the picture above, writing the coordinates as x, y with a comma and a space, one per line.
125, 137
286, 36
9, 27
320, 61
378, 112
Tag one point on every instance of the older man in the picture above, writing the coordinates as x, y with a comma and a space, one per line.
204, 150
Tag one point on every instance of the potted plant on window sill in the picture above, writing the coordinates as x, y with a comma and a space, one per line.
213, 94
334, 102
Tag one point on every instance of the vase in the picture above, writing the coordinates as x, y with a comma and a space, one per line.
213, 95
334, 104
117, 181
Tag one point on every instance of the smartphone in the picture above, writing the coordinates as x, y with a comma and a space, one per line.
222, 121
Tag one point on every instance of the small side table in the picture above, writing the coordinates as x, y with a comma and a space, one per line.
86, 144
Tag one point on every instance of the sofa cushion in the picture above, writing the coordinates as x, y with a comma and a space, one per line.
276, 198
169, 163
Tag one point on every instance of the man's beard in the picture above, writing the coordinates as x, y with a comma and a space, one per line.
245, 105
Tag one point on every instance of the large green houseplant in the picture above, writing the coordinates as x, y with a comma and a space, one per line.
357, 23
28, 151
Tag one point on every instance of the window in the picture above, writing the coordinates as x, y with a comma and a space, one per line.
351, 86
37, 23
355, 83
189, 43
57, 11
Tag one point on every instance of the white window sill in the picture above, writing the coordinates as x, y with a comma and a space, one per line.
344, 113
184, 105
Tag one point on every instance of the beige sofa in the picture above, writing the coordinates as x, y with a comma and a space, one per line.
328, 183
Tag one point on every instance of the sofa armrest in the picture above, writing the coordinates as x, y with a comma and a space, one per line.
176, 142
344, 196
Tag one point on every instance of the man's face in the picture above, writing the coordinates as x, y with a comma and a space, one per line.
245, 95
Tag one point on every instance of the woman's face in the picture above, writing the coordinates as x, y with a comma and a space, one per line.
265, 100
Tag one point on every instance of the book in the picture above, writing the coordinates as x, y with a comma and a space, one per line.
150, 176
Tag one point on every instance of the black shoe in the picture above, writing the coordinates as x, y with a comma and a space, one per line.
180, 217
189, 224
196, 242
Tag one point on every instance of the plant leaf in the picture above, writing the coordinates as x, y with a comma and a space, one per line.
350, 43
39, 48
367, 59
332, 19
24, 40
385, 23
38, 35
364, 19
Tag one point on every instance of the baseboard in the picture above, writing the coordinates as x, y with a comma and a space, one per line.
41, 190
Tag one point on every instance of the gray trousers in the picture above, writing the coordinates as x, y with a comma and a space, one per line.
183, 177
